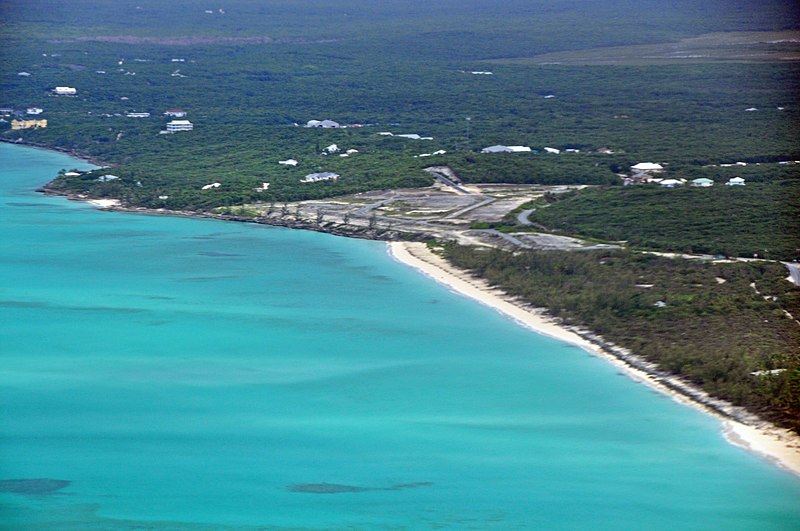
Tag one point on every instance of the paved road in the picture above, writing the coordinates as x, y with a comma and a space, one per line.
522, 217
794, 271
458, 213
444, 179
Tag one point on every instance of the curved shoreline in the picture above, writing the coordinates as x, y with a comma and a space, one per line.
739, 427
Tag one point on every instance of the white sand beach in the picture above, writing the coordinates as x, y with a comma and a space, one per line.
778, 446
104, 203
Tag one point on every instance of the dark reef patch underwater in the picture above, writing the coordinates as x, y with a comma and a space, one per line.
33, 486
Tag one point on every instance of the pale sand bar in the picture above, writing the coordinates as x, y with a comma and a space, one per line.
777, 445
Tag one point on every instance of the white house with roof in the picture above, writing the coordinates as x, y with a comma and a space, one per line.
670, 183
322, 176
702, 182
647, 167
175, 113
179, 125
65, 91
324, 124
505, 149
34, 110
735, 181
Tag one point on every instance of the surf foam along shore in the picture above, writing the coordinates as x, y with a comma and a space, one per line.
779, 446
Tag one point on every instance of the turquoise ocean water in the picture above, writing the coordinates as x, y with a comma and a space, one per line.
184, 373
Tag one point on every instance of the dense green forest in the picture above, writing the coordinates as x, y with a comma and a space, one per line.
706, 323
247, 74
758, 218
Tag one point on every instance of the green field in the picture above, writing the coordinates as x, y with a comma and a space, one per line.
721, 47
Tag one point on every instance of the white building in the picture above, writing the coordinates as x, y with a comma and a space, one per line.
505, 149
647, 166
138, 115
34, 110
323, 176
65, 91
175, 113
179, 125
325, 124
735, 181
288, 162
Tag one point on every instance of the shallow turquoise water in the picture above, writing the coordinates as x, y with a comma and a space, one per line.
195, 373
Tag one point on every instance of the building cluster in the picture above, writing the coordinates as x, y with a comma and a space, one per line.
650, 173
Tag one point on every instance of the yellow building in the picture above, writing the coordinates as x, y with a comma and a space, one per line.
28, 124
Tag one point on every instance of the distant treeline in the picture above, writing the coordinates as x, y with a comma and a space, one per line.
758, 219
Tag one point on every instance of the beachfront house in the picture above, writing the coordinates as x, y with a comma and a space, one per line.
702, 182
65, 91
322, 176
179, 125
735, 181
